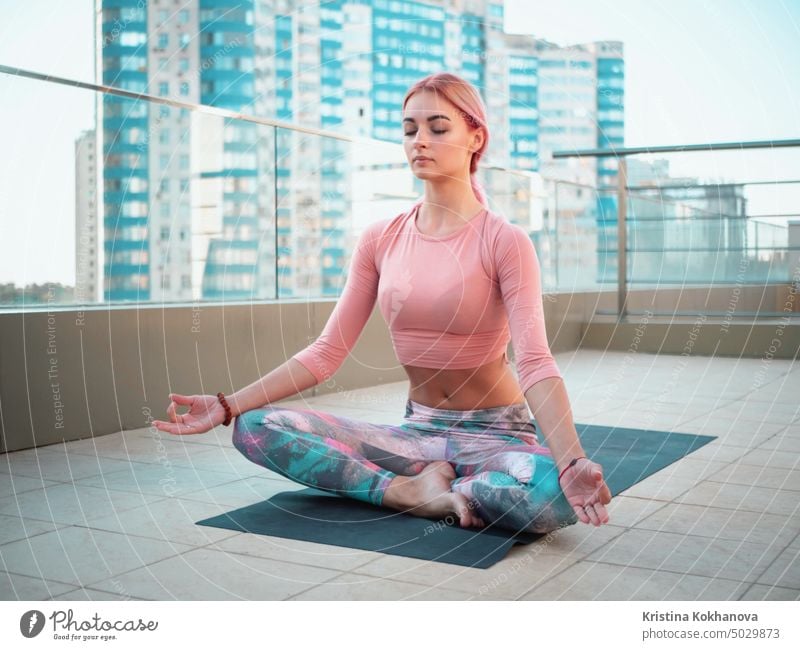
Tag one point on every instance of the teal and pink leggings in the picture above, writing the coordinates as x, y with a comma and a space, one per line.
500, 467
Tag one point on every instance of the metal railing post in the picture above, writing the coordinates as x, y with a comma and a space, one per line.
622, 232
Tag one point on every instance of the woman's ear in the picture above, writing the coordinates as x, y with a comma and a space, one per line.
477, 140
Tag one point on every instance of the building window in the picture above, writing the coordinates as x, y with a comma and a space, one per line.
163, 41
184, 88
163, 88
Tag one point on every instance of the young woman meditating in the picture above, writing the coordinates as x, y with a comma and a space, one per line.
455, 281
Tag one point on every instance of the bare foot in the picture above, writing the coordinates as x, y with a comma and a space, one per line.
428, 495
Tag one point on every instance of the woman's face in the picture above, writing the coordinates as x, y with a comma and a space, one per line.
435, 129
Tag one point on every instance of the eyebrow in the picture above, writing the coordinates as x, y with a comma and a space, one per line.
432, 117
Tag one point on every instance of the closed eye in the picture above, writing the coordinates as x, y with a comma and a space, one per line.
433, 130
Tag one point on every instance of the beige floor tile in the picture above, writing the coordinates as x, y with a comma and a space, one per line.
136, 444
582, 410
704, 556
14, 528
361, 587
643, 420
784, 571
243, 492
18, 587
704, 521
763, 476
578, 540
661, 488
770, 592
337, 558
628, 511
11, 484
71, 504
742, 497
692, 467
159, 480
599, 581
59, 464
781, 391
718, 451
80, 556
221, 459
782, 442
771, 458
754, 411
170, 520
206, 574
93, 594
522, 567
732, 431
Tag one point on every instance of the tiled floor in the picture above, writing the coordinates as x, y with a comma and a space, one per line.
113, 517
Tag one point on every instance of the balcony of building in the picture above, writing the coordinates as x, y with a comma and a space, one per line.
671, 306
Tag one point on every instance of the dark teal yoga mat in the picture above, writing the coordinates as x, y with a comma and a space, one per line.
627, 456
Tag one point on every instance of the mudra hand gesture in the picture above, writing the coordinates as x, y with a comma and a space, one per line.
586, 491
205, 412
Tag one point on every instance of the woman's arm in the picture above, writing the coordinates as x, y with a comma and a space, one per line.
288, 379
519, 275
550, 406
540, 379
318, 361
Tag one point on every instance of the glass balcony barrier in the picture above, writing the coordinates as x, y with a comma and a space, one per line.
117, 197
704, 223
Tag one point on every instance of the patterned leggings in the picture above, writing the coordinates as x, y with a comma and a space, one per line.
500, 467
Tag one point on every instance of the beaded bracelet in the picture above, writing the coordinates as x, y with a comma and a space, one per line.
571, 463
227, 408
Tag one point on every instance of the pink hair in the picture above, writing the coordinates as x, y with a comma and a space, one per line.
465, 97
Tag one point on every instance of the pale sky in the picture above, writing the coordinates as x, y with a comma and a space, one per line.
696, 71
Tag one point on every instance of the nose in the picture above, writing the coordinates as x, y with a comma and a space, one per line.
419, 140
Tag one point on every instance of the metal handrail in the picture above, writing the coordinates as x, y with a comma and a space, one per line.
621, 154
711, 146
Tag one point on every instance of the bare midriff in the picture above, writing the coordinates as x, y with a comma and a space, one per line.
492, 384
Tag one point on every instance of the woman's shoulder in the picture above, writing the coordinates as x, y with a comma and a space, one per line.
501, 230
384, 226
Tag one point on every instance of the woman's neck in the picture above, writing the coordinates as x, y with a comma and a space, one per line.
448, 206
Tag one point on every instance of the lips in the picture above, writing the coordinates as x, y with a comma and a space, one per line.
421, 158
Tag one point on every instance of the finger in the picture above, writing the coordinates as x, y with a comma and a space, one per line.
602, 513
605, 494
185, 400
592, 515
173, 417
184, 429
165, 426
581, 513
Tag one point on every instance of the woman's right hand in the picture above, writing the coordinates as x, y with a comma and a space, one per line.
205, 412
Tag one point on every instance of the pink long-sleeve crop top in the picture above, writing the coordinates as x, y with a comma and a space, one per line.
448, 301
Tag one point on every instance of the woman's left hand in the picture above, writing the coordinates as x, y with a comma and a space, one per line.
586, 491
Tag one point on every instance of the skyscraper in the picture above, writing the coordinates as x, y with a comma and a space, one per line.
199, 206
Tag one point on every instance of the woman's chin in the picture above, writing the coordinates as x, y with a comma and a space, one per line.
425, 174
